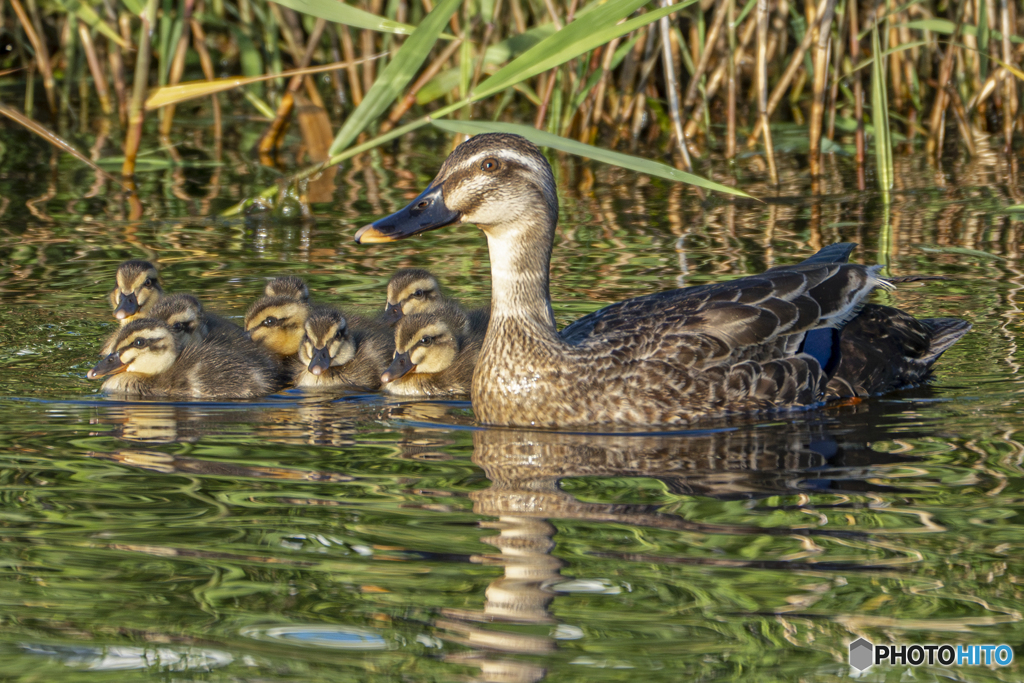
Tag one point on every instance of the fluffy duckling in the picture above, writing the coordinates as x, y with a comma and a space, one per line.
190, 323
433, 355
148, 362
288, 286
414, 290
277, 323
335, 355
138, 289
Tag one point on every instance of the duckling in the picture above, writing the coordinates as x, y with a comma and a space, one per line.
148, 362
335, 355
763, 342
288, 286
277, 323
191, 323
415, 290
433, 355
136, 292
138, 289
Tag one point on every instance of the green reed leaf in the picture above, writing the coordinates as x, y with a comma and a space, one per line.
339, 12
87, 14
545, 139
396, 76
880, 116
590, 31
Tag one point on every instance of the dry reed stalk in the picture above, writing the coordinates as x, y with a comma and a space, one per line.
404, 104
718, 76
339, 87
42, 54
795, 62
275, 131
1009, 84
710, 40
937, 120
348, 49
822, 35
589, 133
964, 126
117, 65
762, 88
177, 67
673, 88
730, 131
858, 95
489, 34
136, 107
99, 78
199, 43
836, 61
366, 39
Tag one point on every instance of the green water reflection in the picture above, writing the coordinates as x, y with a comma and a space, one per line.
303, 539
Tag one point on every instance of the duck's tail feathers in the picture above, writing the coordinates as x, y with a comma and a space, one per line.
833, 253
945, 333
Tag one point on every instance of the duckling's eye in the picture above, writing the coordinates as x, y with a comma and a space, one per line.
418, 294
148, 284
269, 321
340, 334
426, 341
139, 343
490, 165
178, 327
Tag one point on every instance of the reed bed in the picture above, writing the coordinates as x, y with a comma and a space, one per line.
681, 81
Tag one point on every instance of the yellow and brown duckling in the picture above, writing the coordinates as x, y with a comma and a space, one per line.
335, 355
137, 291
148, 362
415, 290
277, 323
762, 342
288, 286
190, 323
433, 355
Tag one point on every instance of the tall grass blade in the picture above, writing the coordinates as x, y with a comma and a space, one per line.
392, 81
87, 14
584, 34
880, 117
340, 13
546, 139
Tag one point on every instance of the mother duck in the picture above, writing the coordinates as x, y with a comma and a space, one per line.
792, 336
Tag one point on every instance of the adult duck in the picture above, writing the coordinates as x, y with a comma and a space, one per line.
776, 340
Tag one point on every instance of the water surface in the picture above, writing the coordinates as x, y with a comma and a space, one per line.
306, 538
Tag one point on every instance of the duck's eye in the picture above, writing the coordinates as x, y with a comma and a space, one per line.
490, 165
269, 321
426, 341
139, 343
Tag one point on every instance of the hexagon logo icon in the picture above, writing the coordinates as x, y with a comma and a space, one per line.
861, 654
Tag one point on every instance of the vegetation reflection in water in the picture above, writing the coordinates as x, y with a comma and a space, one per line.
363, 539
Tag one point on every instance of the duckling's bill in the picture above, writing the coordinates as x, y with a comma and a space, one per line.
127, 306
401, 366
111, 365
427, 212
321, 361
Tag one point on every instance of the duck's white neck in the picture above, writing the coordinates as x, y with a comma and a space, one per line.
520, 263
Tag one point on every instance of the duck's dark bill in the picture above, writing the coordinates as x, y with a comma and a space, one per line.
320, 361
127, 306
111, 365
426, 212
399, 367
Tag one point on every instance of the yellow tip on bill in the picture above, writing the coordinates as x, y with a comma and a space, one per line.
371, 235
